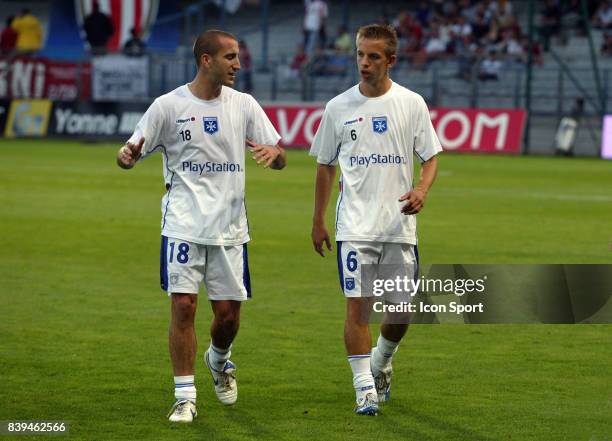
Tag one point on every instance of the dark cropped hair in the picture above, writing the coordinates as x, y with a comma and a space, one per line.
380, 32
208, 42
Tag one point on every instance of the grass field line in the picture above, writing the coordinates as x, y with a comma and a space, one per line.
530, 194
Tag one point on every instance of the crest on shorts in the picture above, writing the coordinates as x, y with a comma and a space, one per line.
379, 124
349, 283
174, 277
211, 125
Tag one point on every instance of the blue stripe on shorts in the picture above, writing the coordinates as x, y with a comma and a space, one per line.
340, 269
246, 275
163, 263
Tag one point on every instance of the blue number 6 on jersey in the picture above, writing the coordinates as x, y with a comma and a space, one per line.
351, 261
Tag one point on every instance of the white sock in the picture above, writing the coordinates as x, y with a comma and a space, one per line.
218, 357
184, 388
381, 357
362, 375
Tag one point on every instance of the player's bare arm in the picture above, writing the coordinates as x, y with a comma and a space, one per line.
272, 156
129, 154
323, 186
416, 197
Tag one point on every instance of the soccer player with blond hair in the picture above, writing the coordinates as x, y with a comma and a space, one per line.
373, 131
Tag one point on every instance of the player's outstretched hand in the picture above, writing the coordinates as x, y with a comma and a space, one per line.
415, 201
129, 154
320, 235
264, 154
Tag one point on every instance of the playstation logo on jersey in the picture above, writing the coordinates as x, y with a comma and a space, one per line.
379, 124
349, 283
211, 125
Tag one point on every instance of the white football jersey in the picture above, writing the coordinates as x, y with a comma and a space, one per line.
203, 147
374, 140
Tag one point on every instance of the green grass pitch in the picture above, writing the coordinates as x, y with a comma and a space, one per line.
83, 326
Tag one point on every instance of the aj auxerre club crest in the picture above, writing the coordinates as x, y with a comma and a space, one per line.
379, 124
349, 283
211, 125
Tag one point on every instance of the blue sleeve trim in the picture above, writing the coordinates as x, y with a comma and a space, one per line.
340, 201
169, 188
419, 156
336, 155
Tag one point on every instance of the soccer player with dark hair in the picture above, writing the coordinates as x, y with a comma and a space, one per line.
372, 131
201, 129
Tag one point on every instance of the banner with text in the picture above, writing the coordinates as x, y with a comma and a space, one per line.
118, 77
479, 130
95, 120
461, 130
36, 78
491, 131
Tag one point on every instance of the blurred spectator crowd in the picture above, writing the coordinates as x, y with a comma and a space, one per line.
482, 36
22, 34
483, 33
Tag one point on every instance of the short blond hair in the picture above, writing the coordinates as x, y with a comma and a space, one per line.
380, 32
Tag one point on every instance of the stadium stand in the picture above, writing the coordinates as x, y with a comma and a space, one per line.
449, 77
439, 81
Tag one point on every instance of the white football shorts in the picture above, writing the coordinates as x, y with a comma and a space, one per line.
352, 254
224, 270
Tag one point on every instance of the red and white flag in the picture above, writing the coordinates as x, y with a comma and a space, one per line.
125, 14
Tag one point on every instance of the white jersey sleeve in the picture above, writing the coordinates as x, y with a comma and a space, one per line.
259, 128
426, 142
151, 127
326, 143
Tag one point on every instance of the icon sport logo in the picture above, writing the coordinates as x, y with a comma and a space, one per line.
211, 124
379, 124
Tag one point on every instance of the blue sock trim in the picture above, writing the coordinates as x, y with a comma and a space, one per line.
220, 353
352, 357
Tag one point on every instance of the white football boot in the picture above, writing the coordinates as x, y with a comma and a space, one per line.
366, 401
382, 380
226, 387
183, 411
